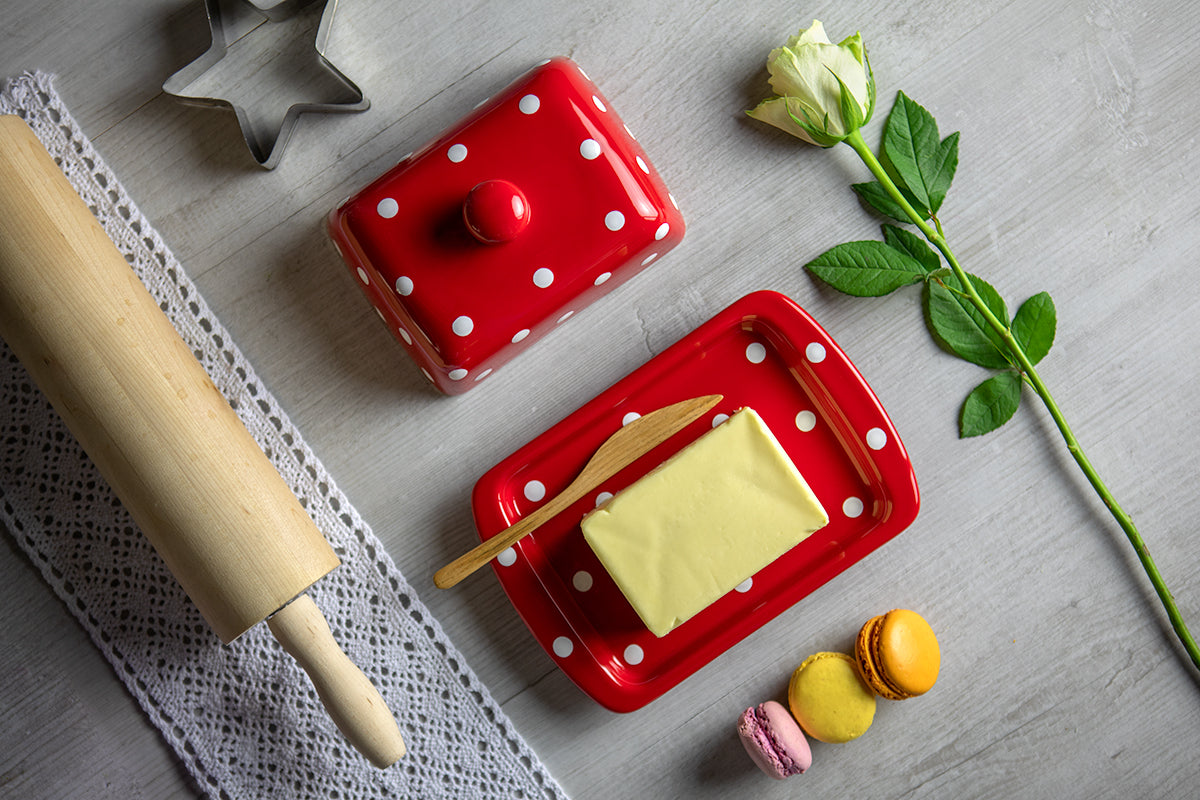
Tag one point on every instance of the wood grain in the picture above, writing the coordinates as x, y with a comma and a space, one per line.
162, 435
142, 407
1078, 123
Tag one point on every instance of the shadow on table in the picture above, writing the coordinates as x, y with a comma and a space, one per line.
328, 311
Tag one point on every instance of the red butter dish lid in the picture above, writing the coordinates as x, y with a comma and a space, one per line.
765, 352
536, 204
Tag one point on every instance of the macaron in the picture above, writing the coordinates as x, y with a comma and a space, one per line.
774, 740
898, 655
829, 698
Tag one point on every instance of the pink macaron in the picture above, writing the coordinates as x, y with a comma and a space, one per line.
774, 740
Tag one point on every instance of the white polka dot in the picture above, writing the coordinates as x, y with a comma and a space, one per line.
718, 419
565, 317
602, 277
631, 136
428, 377
806, 421
507, 557
582, 581
404, 285
662, 231
649, 258
589, 149
379, 311
614, 220
457, 374
599, 103
852, 507
457, 152
815, 352
744, 586
362, 276
756, 352
642, 165
462, 326
674, 202
529, 104
603, 498
388, 208
520, 335
542, 278
481, 103
563, 647
404, 335
634, 655
535, 491
630, 417
483, 375
876, 438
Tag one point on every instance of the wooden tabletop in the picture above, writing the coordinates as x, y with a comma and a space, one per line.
1078, 120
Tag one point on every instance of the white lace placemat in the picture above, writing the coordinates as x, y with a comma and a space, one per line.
243, 718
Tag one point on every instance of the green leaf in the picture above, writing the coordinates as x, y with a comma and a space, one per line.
910, 138
914, 245
960, 327
990, 405
943, 168
1033, 326
866, 269
875, 196
923, 163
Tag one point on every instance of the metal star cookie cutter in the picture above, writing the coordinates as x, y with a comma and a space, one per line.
230, 74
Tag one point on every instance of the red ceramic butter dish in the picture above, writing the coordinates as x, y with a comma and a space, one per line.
536, 204
765, 352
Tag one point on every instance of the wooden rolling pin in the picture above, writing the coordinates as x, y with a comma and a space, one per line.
163, 436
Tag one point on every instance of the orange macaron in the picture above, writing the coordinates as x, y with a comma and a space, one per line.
898, 655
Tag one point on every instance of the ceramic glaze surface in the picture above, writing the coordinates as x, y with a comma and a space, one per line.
536, 204
765, 352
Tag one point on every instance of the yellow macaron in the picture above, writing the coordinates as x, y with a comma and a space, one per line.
898, 655
829, 698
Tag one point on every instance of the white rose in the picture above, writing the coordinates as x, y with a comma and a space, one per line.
824, 91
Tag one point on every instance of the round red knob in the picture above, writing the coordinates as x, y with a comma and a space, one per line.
496, 211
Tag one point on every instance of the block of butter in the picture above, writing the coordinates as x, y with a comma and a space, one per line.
703, 522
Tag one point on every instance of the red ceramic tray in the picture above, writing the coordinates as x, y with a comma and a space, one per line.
765, 352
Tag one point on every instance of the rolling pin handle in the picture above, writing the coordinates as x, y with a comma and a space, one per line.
351, 699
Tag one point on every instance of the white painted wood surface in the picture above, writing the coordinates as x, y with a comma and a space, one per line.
1060, 676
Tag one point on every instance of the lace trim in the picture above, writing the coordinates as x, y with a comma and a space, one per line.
243, 718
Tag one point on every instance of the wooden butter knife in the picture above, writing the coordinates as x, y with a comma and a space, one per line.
620, 450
